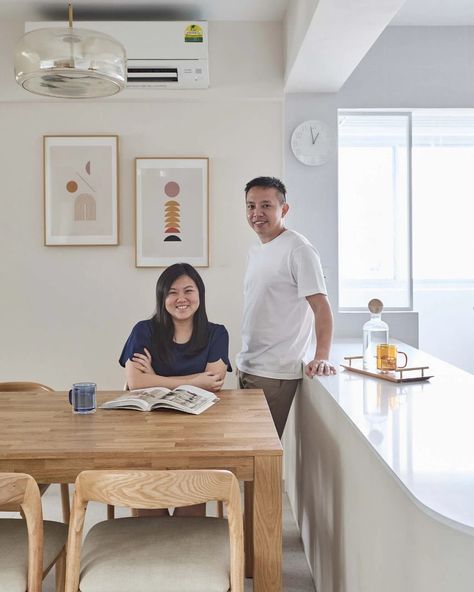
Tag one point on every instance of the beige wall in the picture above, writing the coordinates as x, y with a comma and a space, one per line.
66, 311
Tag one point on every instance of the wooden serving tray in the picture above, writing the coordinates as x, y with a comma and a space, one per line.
395, 376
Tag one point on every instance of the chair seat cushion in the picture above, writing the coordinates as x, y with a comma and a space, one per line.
14, 551
169, 554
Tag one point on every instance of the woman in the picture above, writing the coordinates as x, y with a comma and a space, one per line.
178, 345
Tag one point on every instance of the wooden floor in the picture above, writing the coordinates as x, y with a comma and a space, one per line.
296, 574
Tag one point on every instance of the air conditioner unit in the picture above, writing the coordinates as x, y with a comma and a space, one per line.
160, 54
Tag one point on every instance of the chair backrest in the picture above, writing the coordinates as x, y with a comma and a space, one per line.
11, 387
21, 489
156, 489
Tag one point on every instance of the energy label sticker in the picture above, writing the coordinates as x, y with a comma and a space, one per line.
193, 34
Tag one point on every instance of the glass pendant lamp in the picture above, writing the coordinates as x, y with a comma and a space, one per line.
70, 63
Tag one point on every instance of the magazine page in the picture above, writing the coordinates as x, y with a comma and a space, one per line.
138, 399
190, 399
197, 391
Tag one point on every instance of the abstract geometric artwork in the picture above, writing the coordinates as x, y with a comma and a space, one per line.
81, 190
171, 211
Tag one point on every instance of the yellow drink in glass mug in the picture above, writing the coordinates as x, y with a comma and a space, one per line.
387, 354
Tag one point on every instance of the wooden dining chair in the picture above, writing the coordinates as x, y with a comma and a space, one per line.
29, 547
11, 387
170, 554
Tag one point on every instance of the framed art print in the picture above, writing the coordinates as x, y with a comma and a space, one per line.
81, 190
172, 211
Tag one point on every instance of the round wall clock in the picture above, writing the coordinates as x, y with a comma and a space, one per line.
313, 142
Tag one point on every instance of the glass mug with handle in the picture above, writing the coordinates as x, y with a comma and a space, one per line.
82, 397
387, 355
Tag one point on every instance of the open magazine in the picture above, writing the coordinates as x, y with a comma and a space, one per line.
187, 398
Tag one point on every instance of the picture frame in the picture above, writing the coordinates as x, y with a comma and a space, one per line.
172, 205
80, 190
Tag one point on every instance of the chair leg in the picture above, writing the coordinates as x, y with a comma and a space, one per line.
65, 504
110, 512
60, 572
43, 487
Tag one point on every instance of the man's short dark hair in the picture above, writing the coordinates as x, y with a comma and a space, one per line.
268, 183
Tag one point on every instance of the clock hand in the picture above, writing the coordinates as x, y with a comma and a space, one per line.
314, 138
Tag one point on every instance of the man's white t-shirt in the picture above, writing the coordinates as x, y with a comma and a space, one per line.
277, 326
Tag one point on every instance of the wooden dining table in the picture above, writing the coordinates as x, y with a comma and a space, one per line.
41, 436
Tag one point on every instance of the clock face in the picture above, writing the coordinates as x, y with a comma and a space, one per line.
313, 142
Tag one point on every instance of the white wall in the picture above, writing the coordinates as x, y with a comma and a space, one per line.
66, 311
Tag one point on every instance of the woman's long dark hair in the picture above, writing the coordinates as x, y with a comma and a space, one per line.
162, 320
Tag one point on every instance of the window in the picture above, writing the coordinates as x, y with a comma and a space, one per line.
443, 198
376, 243
374, 209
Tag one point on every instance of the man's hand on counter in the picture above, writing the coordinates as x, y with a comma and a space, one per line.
320, 368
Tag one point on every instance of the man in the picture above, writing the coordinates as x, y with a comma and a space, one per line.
284, 297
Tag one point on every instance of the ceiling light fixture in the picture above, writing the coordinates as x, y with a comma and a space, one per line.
70, 63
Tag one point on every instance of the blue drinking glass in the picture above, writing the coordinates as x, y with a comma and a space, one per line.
82, 397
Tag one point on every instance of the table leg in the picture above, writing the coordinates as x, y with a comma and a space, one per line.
267, 524
65, 503
248, 528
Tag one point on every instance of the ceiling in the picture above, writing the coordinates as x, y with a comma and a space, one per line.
413, 12
210, 10
435, 12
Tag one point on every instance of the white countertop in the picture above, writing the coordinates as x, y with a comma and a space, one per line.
424, 431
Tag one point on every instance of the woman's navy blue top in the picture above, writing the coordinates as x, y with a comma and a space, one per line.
182, 362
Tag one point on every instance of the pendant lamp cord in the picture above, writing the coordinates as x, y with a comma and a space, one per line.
71, 44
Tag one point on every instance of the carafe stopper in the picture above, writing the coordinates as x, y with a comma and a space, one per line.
375, 306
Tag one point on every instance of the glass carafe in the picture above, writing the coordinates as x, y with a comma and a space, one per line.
374, 331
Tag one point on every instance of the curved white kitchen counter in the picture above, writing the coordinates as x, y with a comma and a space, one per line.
423, 431
364, 456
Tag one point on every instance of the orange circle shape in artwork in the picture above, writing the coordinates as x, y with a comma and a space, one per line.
172, 189
71, 186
